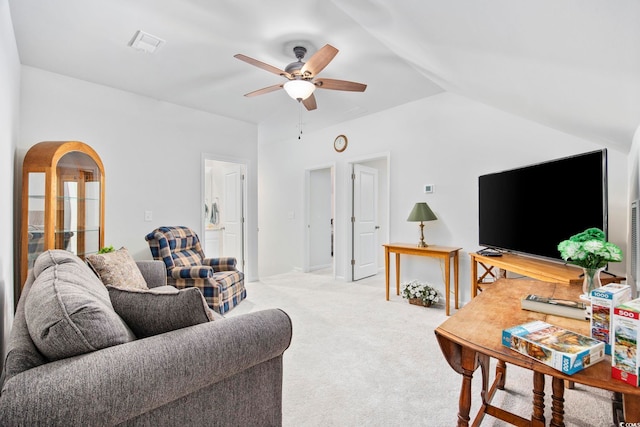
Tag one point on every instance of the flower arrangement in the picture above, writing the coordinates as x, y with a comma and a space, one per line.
589, 249
422, 291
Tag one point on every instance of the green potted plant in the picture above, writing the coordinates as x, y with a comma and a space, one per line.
106, 250
419, 293
592, 252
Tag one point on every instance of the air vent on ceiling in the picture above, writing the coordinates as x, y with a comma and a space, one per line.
145, 42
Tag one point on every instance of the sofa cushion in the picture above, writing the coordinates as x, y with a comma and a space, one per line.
22, 354
68, 310
162, 309
117, 268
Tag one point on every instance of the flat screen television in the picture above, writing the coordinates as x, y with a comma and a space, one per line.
529, 210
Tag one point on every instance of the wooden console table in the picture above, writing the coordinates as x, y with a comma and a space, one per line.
443, 252
535, 268
473, 335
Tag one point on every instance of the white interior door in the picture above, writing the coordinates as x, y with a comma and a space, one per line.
365, 221
232, 215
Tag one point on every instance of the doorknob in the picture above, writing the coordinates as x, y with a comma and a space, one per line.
377, 227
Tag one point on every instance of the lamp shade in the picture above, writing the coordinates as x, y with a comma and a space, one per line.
421, 212
299, 89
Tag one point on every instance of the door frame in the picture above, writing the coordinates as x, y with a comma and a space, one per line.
306, 264
245, 167
383, 198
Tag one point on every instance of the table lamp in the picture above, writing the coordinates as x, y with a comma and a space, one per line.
421, 212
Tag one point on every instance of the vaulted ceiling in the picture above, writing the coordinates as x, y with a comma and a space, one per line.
573, 65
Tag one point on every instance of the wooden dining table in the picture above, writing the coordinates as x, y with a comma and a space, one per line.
473, 336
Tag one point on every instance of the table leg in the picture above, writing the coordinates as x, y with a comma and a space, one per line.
474, 277
484, 361
557, 403
464, 361
386, 269
447, 282
617, 408
397, 274
468, 365
631, 405
501, 372
455, 278
537, 418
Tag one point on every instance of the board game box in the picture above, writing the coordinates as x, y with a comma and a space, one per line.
625, 361
603, 300
564, 350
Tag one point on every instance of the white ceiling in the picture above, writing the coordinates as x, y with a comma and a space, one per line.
573, 65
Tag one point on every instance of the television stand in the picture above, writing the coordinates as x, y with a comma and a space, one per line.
535, 268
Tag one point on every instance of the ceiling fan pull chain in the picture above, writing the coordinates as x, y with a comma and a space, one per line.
300, 120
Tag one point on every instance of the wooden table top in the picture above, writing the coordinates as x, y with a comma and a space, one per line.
408, 247
479, 324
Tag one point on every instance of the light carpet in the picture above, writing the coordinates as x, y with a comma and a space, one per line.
358, 360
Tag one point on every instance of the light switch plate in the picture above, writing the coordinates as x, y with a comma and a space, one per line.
148, 216
429, 188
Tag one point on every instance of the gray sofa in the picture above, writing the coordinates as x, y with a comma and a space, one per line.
227, 372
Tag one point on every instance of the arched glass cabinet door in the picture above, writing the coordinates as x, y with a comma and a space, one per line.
63, 201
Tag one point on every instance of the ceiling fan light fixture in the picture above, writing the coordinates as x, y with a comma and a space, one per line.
299, 89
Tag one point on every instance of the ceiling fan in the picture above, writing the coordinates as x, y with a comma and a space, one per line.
302, 77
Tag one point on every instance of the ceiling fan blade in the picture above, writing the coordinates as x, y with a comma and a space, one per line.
334, 84
310, 103
264, 90
319, 60
262, 65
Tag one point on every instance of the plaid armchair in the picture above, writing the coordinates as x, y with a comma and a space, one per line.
217, 278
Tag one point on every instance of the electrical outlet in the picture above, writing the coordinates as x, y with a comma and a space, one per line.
148, 216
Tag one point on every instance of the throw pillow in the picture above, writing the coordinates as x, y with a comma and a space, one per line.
158, 310
117, 268
68, 310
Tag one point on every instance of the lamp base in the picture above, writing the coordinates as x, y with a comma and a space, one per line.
422, 243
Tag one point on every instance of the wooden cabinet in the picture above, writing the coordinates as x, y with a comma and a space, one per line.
62, 201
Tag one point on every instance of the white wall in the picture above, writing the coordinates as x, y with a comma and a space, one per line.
319, 216
446, 140
151, 150
9, 108
634, 194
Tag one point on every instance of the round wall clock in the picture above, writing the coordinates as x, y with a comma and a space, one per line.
340, 143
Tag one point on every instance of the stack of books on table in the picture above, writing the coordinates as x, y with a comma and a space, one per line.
564, 350
557, 307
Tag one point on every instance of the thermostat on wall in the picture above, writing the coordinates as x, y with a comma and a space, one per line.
429, 188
